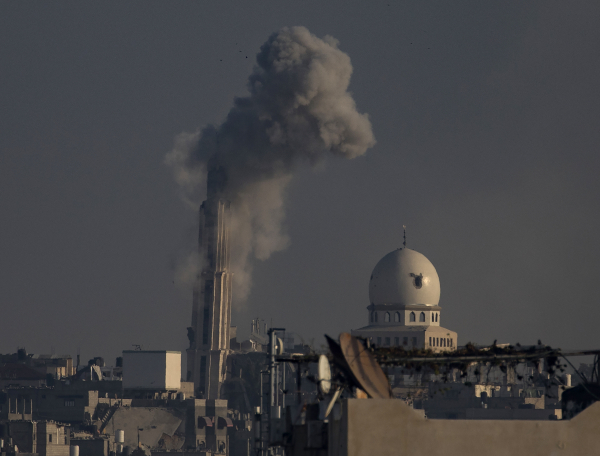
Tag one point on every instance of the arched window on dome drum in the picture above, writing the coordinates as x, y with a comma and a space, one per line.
386, 318
436, 317
432, 317
397, 317
412, 316
422, 316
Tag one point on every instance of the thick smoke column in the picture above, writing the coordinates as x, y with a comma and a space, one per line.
299, 110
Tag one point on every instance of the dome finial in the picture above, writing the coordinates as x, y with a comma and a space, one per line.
404, 243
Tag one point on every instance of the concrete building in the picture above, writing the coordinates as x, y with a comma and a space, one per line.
208, 422
404, 291
209, 334
152, 370
90, 446
50, 366
45, 438
14, 375
57, 366
389, 427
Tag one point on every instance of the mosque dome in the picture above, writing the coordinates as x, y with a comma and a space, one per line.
404, 276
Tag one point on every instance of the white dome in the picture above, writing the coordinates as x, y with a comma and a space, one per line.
404, 277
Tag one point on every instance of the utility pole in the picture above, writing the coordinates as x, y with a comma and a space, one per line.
273, 410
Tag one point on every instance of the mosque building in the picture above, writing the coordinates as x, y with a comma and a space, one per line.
404, 291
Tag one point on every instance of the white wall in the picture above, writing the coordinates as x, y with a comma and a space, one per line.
173, 374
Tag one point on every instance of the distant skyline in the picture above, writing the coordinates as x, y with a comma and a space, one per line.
486, 118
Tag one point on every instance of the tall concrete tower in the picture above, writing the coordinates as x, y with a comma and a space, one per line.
211, 308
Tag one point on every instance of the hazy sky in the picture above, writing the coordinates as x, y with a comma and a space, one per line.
487, 120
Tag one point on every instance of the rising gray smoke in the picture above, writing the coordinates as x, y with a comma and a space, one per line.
298, 111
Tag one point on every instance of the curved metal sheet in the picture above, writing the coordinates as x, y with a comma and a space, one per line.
365, 368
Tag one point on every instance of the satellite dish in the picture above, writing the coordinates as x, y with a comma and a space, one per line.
364, 368
278, 346
324, 375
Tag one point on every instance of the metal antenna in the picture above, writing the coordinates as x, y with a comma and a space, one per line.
404, 243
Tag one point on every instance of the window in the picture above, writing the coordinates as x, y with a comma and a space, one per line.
422, 316
396, 341
50, 438
397, 317
69, 403
430, 341
405, 341
412, 316
372, 317
432, 317
386, 317
437, 341
436, 317
414, 341
379, 341
202, 371
208, 299
375, 317
387, 341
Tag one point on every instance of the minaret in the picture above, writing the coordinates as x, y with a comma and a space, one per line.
211, 308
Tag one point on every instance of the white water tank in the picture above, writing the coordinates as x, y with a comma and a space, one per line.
120, 436
74, 450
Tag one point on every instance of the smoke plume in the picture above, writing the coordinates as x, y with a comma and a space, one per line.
298, 111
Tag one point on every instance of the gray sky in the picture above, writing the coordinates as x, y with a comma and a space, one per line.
486, 116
